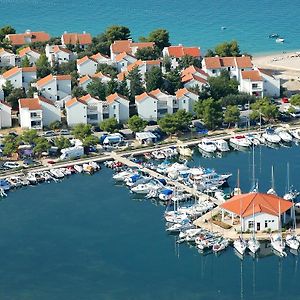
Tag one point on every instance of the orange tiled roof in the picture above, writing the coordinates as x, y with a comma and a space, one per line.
63, 77
99, 56
86, 98
182, 92
77, 38
29, 69
19, 39
212, 62
252, 75
135, 65
126, 46
122, 55
11, 72
244, 62
143, 96
121, 76
30, 103
243, 205
43, 99
193, 70
179, 51
84, 78
82, 60
24, 51
74, 100
112, 97
190, 77
57, 48
45, 80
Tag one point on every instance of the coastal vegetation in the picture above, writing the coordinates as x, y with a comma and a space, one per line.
136, 123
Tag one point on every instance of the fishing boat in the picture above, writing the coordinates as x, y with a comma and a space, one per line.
221, 145
207, 146
240, 141
271, 136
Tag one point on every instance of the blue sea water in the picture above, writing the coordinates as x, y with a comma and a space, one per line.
86, 238
195, 22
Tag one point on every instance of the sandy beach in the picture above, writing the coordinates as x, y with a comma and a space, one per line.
285, 66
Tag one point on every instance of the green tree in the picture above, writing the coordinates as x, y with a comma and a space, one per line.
108, 70
188, 60
295, 100
78, 92
67, 67
237, 99
7, 88
111, 87
136, 83
81, 131
10, 145
41, 145
160, 37
173, 81
221, 86
231, 115
154, 79
116, 32
55, 125
123, 88
14, 97
225, 49
90, 140
264, 107
109, 125
25, 62
210, 112
136, 123
43, 66
29, 136
97, 89
167, 63
30, 92
6, 30
147, 53
62, 143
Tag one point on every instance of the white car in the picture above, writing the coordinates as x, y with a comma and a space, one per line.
49, 133
11, 165
64, 132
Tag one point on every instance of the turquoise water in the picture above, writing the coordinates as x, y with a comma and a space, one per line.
86, 238
196, 22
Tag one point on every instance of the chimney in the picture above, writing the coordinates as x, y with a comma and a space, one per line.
84, 32
28, 31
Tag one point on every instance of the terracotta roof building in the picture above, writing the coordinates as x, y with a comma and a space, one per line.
28, 37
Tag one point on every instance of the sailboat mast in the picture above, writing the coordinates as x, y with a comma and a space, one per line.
288, 176
273, 183
253, 167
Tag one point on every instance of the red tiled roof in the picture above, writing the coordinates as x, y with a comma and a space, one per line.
43, 99
143, 96
190, 77
192, 70
21, 38
243, 205
112, 97
84, 78
77, 38
57, 48
30, 103
180, 51
252, 75
182, 92
74, 100
127, 45
99, 56
11, 72
44, 80
29, 69
24, 51
244, 62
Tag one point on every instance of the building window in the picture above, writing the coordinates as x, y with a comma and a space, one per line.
250, 224
114, 107
254, 85
115, 115
49, 89
266, 223
213, 71
183, 101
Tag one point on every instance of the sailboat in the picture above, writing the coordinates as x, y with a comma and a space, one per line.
272, 189
253, 243
240, 244
277, 242
291, 193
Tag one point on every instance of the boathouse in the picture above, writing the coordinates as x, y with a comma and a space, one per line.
257, 209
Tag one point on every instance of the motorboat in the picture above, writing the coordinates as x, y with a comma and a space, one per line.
278, 244
273, 36
88, 169
271, 136
291, 195
207, 146
253, 139
31, 178
240, 245
14, 181
165, 194
145, 188
292, 242
4, 184
121, 176
94, 165
284, 135
253, 244
137, 179
78, 168
240, 141
184, 150
279, 40
56, 173
221, 145
220, 245
295, 133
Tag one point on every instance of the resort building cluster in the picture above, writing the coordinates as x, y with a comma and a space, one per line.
53, 98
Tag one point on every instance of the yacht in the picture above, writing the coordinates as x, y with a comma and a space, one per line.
78, 168
207, 146
253, 139
56, 173
271, 136
292, 242
278, 244
221, 145
253, 244
121, 176
284, 135
295, 133
4, 184
240, 245
240, 141
31, 178
279, 40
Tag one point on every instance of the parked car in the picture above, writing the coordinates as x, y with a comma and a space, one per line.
285, 100
11, 165
49, 133
64, 132
240, 107
247, 106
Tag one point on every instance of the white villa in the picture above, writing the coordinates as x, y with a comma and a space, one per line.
83, 40
185, 100
5, 115
85, 80
7, 58
252, 83
28, 37
58, 54
31, 54
118, 107
76, 110
38, 112
257, 210
271, 84
175, 53
55, 87
19, 77
87, 66
123, 60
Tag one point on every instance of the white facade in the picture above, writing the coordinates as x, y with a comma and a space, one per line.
271, 84
28, 76
32, 55
186, 100
118, 107
76, 112
123, 60
30, 113
5, 115
58, 54
263, 221
7, 59
87, 66
147, 107
252, 87
50, 111
19, 77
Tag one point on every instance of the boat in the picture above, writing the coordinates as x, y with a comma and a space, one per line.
78, 168
272, 191
253, 244
220, 245
278, 244
14, 181
4, 185
271, 136
223, 28
31, 178
295, 133
273, 36
56, 173
279, 40
184, 150
207, 146
94, 165
292, 242
240, 245
165, 194
253, 139
221, 145
284, 135
88, 169
240, 141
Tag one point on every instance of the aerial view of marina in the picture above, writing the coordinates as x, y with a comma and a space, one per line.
149, 149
